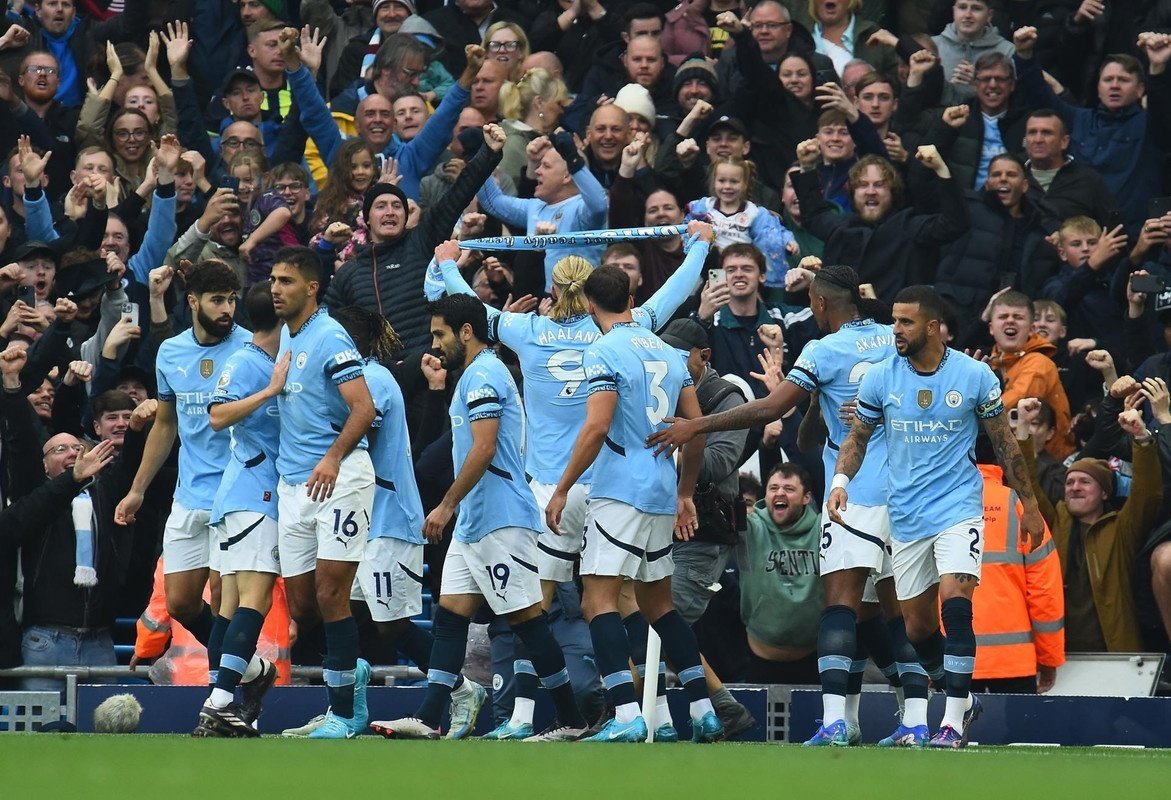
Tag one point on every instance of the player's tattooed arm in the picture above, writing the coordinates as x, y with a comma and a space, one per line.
754, 414
1016, 474
854, 448
1008, 453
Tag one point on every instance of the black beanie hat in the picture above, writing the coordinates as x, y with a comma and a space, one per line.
376, 191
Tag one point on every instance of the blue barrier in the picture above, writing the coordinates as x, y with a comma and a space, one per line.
175, 709
1016, 719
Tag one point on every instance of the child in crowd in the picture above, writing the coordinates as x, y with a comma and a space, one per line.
353, 171
736, 219
1082, 284
266, 215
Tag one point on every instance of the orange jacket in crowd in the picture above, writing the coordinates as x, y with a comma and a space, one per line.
1018, 609
1033, 373
186, 656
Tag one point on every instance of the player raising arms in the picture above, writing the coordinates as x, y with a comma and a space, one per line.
494, 552
854, 554
634, 380
929, 398
326, 486
187, 368
244, 513
550, 350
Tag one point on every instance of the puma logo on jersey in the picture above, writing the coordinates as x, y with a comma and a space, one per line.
897, 399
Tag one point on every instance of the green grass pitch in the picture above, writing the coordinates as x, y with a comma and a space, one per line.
55, 767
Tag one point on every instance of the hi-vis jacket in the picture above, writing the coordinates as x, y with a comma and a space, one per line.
1018, 609
187, 657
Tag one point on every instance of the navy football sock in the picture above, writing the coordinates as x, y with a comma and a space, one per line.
341, 659
447, 659
874, 635
682, 650
215, 647
415, 643
612, 654
549, 663
929, 651
637, 629
836, 645
239, 645
200, 625
959, 651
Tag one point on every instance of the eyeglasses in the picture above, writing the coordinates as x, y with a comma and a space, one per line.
411, 74
37, 69
507, 47
757, 27
994, 79
235, 142
124, 135
295, 186
65, 448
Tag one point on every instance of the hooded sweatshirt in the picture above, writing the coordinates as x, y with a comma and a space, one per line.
1032, 372
954, 48
780, 591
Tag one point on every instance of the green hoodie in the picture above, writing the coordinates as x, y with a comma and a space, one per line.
780, 590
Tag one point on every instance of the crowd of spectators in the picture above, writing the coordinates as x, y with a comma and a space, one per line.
1013, 153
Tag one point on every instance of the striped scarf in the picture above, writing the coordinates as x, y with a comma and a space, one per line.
371, 51
84, 572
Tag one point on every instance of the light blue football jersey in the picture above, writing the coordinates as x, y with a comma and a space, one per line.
312, 410
249, 481
648, 376
186, 372
398, 511
931, 425
502, 497
835, 365
550, 354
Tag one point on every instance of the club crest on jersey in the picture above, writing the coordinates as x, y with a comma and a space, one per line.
953, 399
206, 367
302, 357
924, 398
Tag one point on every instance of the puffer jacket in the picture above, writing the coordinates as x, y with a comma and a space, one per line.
387, 277
975, 266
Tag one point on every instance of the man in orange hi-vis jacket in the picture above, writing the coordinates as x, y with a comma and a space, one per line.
1018, 610
187, 657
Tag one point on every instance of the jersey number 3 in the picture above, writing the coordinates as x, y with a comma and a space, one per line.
656, 371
